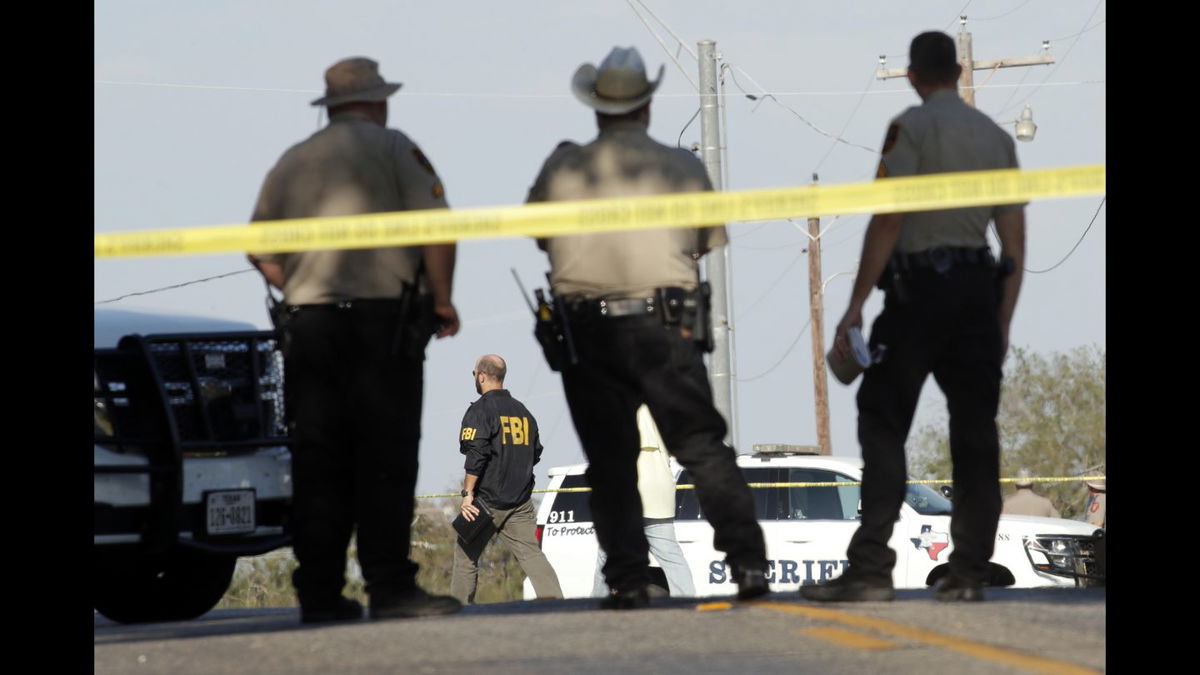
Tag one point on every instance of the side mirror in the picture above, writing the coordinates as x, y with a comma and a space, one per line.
947, 492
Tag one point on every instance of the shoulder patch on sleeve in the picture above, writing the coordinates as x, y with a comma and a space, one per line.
889, 141
423, 161
437, 191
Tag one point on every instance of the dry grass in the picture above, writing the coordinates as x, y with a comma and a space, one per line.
266, 580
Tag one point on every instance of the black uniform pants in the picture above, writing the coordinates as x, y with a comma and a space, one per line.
627, 361
355, 412
949, 326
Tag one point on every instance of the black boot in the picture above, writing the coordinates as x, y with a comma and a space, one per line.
342, 609
411, 604
751, 582
634, 599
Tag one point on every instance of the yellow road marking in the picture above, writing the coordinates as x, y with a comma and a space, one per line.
978, 650
849, 638
713, 606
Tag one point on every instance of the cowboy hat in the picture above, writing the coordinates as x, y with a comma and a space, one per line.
355, 79
618, 86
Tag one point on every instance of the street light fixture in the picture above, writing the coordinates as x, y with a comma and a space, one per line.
1025, 126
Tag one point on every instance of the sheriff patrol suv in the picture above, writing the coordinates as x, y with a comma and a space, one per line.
808, 530
191, 462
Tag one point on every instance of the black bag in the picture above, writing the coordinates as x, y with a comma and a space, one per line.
474, 534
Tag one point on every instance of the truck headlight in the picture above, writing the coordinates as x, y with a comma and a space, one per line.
1058, 555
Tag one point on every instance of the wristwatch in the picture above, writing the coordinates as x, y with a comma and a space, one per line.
465, 493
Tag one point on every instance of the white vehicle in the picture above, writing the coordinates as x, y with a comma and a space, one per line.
191, 462
808, 529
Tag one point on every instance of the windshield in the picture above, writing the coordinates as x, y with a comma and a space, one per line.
927, 501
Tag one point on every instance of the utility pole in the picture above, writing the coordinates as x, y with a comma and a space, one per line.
966, 59
816, 305
720, 366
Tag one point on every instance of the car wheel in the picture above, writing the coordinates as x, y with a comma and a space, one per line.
180, 585
998, 575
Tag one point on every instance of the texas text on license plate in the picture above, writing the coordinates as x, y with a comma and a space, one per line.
229, 512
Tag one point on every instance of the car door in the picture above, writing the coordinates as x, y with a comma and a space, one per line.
818, 516
710, 574
569, 538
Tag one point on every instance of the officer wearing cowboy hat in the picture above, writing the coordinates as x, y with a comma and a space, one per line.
628, 298
1026, 502
353, 353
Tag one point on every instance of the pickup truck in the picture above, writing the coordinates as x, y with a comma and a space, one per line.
191, 460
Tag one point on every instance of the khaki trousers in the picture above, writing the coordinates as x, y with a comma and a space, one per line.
516, 529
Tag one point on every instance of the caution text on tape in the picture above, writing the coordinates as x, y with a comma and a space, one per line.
411, 228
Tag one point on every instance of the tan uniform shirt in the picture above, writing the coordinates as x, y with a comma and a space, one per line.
351, 166
941, 135
623, 161
1095, 509
1025, 502
656, 482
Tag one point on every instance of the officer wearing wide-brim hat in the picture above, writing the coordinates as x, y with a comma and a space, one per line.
354, 345
1025, 502
632, 302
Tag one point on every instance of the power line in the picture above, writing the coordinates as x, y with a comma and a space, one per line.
956, 15
689, 123
519, 97
664, 25
999, 16
1060, 60
764, 95
663, 44
1068, 255
870, 80
781, 359
173, 286
763, 296
1086, 30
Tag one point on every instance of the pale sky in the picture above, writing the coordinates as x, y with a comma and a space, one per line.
194, 103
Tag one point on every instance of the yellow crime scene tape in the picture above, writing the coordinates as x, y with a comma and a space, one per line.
410, 228
934, 481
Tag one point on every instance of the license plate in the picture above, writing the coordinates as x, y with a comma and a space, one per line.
229, 512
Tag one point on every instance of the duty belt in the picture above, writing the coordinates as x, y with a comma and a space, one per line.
618, 307
942, 258
378, 304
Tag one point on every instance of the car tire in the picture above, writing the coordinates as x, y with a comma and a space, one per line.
998, 575
180, 585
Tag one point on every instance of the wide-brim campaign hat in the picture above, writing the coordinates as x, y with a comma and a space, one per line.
1097, 485
1023, 478
354, 80
619, 85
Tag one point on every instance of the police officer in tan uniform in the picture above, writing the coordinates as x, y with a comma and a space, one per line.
628, 297
354, 327
947, 311
1094, 510
1026, 502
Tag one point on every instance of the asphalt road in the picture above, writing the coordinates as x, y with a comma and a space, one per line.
1016, 630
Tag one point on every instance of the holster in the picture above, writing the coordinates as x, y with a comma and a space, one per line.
891, 281
691, 310
280, 316
553, 333
416, 324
